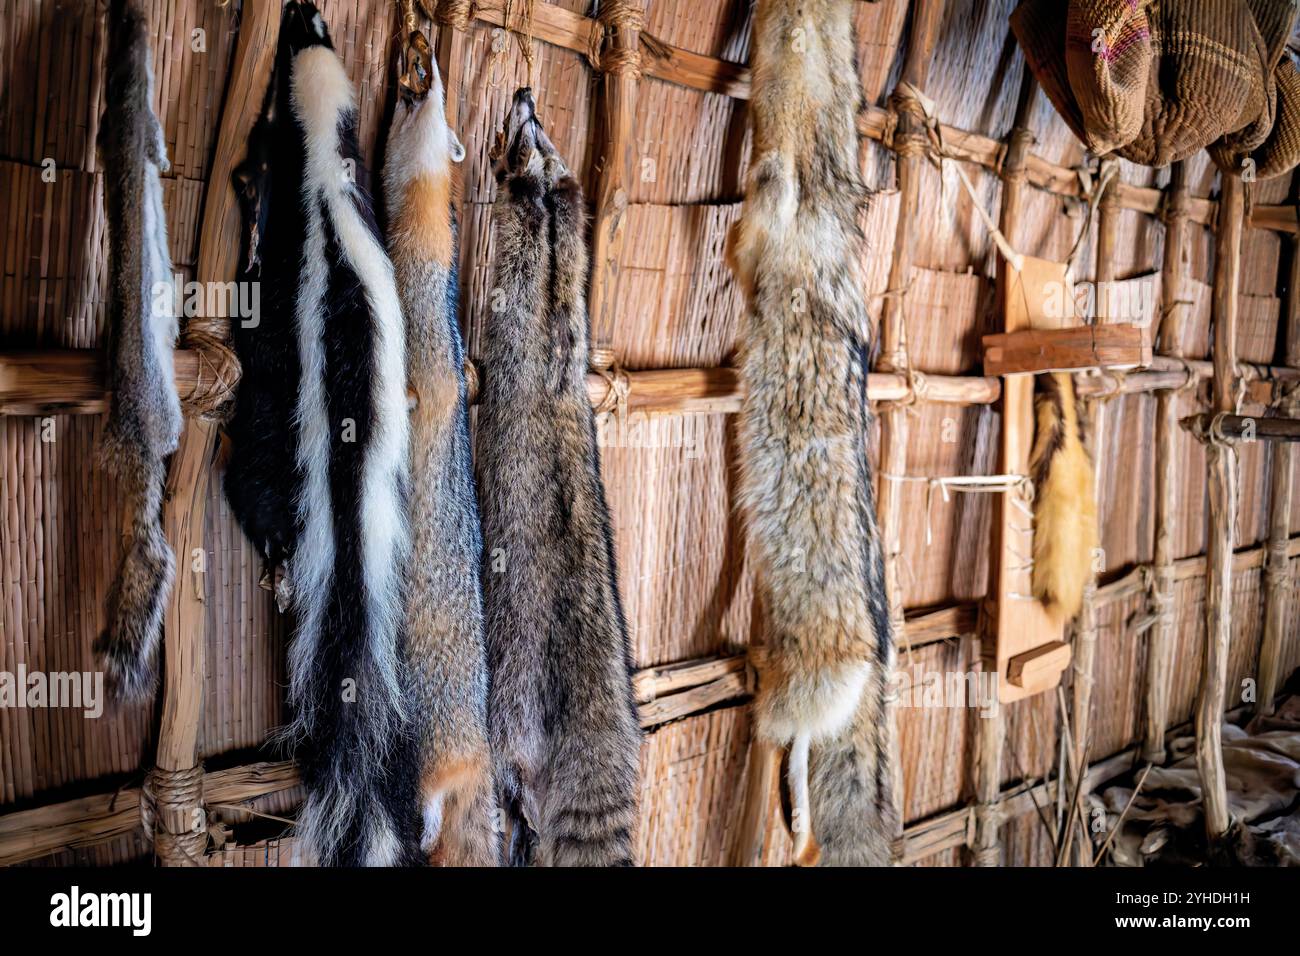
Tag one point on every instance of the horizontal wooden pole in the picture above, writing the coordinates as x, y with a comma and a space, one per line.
1245, 427
71, 381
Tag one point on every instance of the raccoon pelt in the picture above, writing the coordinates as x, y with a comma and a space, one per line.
444, 605
1065, 504
333, 297
561, 715
805, 489
144, 420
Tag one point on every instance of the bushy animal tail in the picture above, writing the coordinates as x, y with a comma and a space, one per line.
828, 646
1065, 506
127, 649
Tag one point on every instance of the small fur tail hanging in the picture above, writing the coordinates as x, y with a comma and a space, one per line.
144, 421
1065, 504
805, 487
444, 604
560, 711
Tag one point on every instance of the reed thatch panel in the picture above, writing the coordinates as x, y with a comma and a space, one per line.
53, 261
692, 781
929, 721
59, 534
677, 304
680, 546
1125, 496
243, 698
953, 565
1030, 751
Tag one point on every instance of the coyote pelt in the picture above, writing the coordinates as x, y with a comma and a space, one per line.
144, 421
1065, 506
561, 714
805, 487
444, 606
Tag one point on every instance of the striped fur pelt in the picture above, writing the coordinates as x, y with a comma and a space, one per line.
805, 487
144, 420
1065, 505
561, 715
444, 604
334, 305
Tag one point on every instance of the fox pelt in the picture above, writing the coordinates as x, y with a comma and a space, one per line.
330, 345
805, 486
144, 420
444, 605
1065, 505
561, 715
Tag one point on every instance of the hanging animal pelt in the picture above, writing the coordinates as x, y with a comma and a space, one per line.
1065, 506
444, 605
561, 715
805, 487
333, 304
144, 421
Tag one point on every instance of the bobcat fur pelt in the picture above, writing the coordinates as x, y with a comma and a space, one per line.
805, 487
561, 715
144, 420
1065, 504
444, 605
331, 304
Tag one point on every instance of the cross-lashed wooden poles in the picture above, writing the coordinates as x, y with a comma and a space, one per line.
1277, 568
620, 62
176, 784
1221, 459
1173, 312
991, 728
911, 141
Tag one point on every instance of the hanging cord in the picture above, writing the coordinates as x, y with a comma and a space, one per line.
967, 484
523, 39
908, 98
1092, 195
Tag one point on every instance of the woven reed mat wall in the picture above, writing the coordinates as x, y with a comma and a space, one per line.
687, 589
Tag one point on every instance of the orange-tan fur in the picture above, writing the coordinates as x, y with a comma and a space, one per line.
1065, 506
444, 609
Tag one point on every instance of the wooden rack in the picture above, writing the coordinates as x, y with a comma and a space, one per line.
72, 382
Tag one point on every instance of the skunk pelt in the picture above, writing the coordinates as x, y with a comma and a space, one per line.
561, 715
1065, 504
144, 419
333, 304
805, 487
444, 604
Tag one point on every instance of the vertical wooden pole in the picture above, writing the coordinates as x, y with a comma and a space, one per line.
449, 52
1085, 631
1277, 565
1222, 461
911, 143
991, 728
620, 61
1173, 311
181, 830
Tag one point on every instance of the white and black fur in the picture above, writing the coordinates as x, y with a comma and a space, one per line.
144, 421
348, 414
